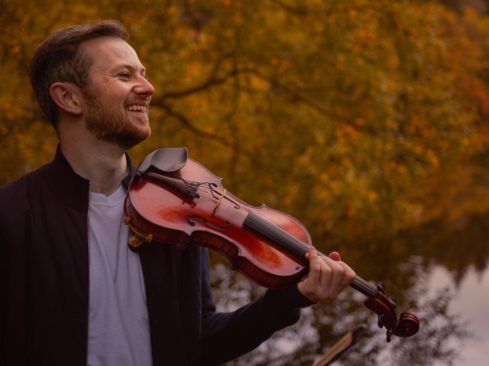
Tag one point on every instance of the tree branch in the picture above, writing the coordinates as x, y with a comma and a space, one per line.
187, 124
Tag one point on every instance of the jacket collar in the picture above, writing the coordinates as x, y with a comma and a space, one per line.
71, 188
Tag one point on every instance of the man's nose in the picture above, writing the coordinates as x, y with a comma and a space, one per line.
144, 87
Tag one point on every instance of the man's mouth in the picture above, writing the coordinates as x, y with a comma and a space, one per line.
138, 108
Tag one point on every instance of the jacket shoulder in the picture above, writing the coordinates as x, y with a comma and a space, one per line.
14, 196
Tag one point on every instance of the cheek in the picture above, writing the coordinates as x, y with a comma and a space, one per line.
116, 105
111, 100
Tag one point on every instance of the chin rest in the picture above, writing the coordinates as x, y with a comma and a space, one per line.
168, 160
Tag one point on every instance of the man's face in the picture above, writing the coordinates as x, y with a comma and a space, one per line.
118, 94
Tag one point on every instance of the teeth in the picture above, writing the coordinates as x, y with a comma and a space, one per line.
138, 108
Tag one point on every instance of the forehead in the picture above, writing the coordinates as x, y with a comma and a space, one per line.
110, 52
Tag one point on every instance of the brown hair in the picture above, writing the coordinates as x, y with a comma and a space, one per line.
58, 59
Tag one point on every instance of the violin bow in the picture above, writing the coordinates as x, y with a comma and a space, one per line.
340, 347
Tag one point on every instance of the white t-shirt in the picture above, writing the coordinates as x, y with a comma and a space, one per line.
118, 327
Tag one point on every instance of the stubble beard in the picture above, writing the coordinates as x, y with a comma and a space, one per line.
111, 127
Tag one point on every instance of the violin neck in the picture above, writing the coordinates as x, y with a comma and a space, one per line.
287, 243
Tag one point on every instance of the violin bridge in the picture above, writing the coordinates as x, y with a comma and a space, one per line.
218, 203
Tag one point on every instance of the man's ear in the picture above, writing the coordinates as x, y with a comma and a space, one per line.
67, 97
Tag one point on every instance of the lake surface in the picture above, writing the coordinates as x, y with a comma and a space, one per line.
471, 303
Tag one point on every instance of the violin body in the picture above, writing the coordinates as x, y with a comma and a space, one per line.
215, 221
174, 200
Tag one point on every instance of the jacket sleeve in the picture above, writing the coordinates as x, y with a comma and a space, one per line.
12, 268
229, 335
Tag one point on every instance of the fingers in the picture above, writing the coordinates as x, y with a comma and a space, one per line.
335, 256
327, 276
314, 264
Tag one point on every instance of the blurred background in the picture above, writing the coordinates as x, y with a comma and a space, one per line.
366, 120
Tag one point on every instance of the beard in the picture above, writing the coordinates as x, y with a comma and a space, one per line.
111, 126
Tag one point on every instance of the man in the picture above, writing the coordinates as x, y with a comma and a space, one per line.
71, 291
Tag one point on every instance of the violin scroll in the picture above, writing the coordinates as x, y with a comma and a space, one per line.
406, 326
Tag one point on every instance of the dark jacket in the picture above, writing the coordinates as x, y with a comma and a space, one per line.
44, 285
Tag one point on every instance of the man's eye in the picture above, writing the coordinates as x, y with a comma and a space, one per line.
124, 75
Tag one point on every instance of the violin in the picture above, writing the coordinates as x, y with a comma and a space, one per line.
173, 199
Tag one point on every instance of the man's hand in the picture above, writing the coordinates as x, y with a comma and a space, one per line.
327, 276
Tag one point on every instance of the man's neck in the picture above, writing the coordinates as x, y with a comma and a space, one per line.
103, 164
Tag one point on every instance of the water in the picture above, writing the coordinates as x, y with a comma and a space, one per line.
471, 303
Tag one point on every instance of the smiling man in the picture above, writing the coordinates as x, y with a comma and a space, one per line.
71, 292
